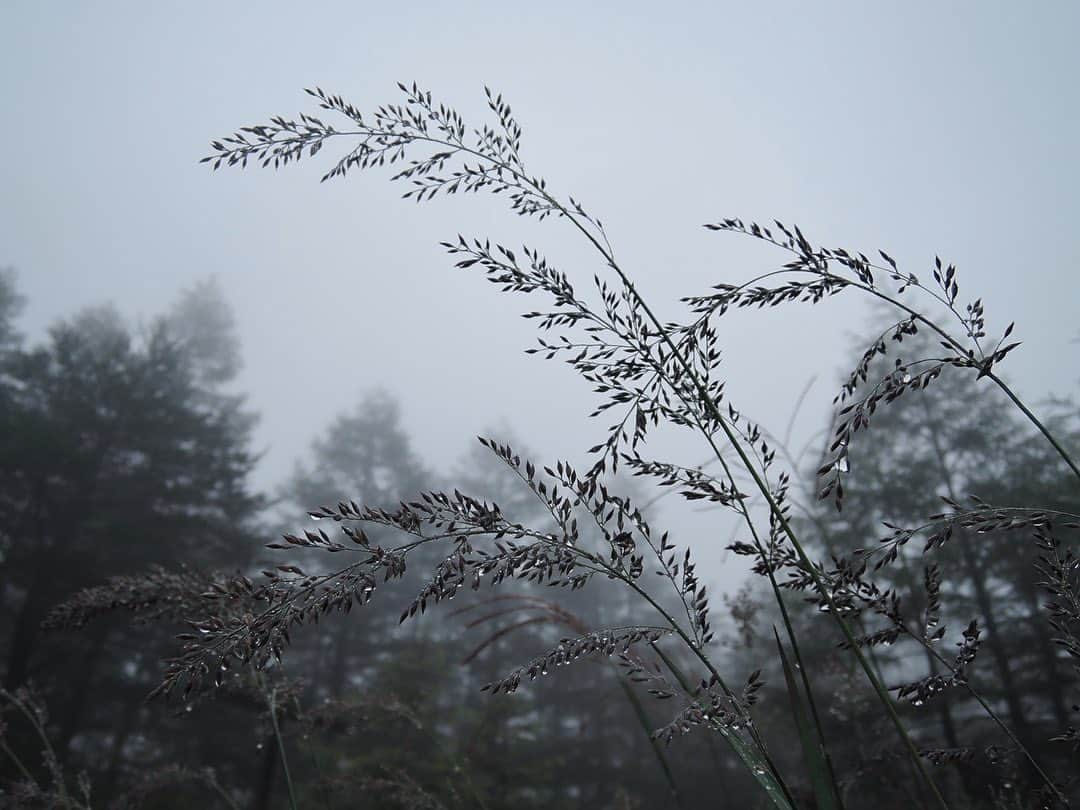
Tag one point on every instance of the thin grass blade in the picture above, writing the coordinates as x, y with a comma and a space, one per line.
812, 746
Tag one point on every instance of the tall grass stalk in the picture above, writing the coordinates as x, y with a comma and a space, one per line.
655, 373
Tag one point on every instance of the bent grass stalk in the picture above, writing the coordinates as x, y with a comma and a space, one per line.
499, 168
270, 694
766, 493
538, 188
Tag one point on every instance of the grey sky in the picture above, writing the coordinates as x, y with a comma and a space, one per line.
921, 128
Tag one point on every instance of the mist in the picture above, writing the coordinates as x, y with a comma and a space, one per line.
919, 130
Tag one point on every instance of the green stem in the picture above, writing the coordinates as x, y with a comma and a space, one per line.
1037, 422
1000, 723
714, 412
685, 684
946, 473
271, 700
18, 762
711, 406
788, 628
643, 721
989, 374
945, 335
224, 794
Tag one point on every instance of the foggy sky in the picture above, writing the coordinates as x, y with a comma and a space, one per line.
919, 128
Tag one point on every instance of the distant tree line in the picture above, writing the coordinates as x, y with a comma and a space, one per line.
125, 488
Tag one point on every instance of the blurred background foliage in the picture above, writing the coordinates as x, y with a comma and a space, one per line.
126, 448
